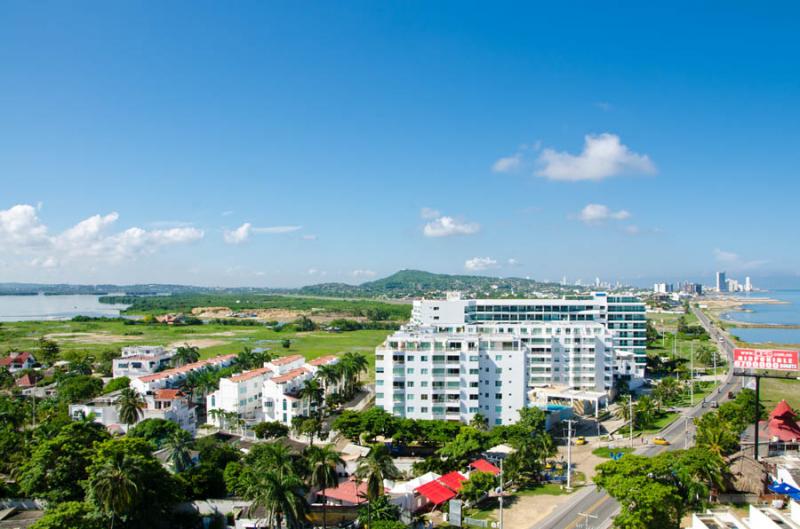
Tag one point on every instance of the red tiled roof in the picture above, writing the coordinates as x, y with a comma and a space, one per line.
187, 368
481, 465
436, 492
168, 394
21, 358
286, 360
782, 423
291, 375
247, 375
348, 491
782, 408
25, 381
453, 480
323, 360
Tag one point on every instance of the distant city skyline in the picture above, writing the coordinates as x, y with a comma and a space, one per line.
283, 145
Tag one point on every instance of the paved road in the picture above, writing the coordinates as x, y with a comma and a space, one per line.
597, 503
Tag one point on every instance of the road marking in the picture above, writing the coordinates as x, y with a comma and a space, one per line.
590, 510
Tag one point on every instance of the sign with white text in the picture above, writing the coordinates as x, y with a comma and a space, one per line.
774, 359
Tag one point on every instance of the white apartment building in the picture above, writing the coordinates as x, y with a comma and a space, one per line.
426, 373
140, 360
268, 393
458, 357
170, 378
758, 518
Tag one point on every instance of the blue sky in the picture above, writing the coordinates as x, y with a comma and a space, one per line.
281, 143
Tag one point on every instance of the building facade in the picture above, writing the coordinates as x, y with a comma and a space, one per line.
459, 357
140, 360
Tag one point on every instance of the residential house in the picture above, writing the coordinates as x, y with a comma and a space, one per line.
141, 360
17, 361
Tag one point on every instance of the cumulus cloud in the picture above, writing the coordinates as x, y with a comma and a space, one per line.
445, 226
363, 273
512, 262
595, 213
735, 262
21, 232
243, 232
507, 164
603, 156
476, 264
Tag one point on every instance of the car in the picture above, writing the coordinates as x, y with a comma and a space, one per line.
580, 441
660, 441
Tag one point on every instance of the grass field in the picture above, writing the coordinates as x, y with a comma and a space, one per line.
212, 339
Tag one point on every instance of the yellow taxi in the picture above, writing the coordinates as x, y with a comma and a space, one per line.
660, 441
580, 441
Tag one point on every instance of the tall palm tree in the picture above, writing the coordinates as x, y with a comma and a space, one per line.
374, 468
280, 495
186, 354
129, 406
353, 364
312, 393
178, 446
113, 488
322, 463
479, 422
330, 375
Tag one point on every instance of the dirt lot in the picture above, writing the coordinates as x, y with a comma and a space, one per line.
90, 337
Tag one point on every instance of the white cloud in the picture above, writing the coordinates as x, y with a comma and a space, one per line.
735, 262
277, 229
447, 226
21, 232
595, 213
477, 264
227, 213
309, 237
363, 273
316, 272
512, 262
603, 156
243, 232
507, 164
239, 235
632, 230
429, 213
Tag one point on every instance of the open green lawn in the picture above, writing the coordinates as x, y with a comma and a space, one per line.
683, 347
662, 422
773, 391
213, 339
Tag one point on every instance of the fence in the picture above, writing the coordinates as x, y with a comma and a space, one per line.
475, 522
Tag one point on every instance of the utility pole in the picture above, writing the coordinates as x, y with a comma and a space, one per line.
501, 493
586, 517
685, 432
569, 454
630, 419
691, 374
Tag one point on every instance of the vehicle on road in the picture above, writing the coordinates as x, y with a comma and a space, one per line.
579, 441
660, 441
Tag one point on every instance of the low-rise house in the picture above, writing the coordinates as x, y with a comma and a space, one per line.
28, 380
17, 361
141, 360
168, 404
281, 396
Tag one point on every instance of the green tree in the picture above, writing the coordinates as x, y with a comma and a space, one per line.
478, 484
270, 430
129, 406
718, 436
77, 388
312, 392
186, 354
47, 352
116, 384
154, 430
466, 446
178, 445
322, 463
69, 515
374, 468
58, 465
479, 422
378, 511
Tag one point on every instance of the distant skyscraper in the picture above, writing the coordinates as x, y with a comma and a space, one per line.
748, 286
722, 283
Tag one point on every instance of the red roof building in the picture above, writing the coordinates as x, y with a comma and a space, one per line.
16, 361
453, 480
481, 465
782, 424
346, 493
435, 492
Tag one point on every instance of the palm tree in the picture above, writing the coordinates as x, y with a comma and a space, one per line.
645, 412
129, 406
374, 468
479, 422
322, 463
280, 495
313, 394
353, 364
186, 354
113, 487
178, 446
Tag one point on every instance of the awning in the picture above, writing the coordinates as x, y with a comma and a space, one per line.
783, 488
453, 480
481, 465
436, 492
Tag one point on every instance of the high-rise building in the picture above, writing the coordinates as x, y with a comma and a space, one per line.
748, 286
722, 283
457, 357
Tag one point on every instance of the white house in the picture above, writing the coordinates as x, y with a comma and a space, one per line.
758, 518
140, 360
281, 401
240, 394
170, 378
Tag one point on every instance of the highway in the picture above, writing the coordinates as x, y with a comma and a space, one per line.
603, 507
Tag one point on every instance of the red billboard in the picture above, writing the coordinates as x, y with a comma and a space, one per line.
774, 359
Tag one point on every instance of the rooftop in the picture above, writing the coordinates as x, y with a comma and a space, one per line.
167, 373
291, 375
282, 361
247, 375
324, 360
